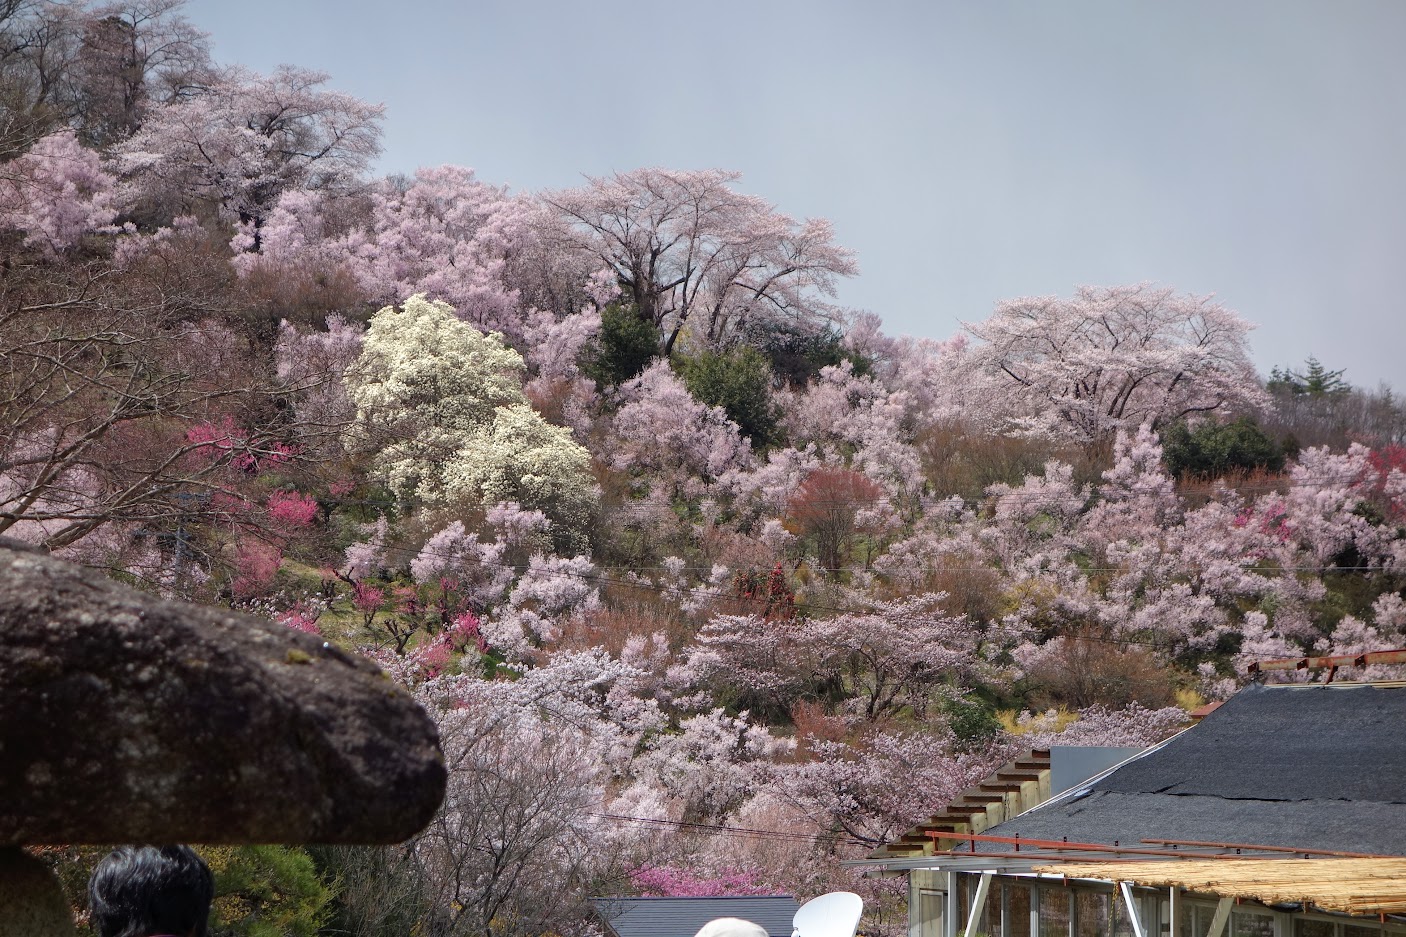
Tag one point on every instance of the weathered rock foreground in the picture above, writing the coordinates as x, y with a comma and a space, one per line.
126, 718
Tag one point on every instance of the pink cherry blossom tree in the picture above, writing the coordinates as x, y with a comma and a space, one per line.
902, 654
56, 193
441, 232
927, 371
713, 764
1110, 357
850, 788
444, 233
313, 364
247, 139
661, 430
855, 421
551, 590
691, 253
518, 818
1133, 727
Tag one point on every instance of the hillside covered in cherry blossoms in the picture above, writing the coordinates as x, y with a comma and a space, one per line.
709, 582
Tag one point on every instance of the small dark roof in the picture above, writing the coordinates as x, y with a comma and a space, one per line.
682, 917
1313, 766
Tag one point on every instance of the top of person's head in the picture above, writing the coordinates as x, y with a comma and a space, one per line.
143, 891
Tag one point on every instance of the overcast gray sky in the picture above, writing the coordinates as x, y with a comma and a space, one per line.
968, 151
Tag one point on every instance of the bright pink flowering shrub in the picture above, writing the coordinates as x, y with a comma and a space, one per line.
301, 617
256, 566
289, 510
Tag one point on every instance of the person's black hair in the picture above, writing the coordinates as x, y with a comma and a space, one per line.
138, 891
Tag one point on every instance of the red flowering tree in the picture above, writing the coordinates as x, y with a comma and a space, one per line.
830, 508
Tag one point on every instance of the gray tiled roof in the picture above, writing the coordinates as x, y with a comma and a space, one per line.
1321, 767
682, 917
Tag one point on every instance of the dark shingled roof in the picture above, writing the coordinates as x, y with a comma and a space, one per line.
1314, 766
682, 917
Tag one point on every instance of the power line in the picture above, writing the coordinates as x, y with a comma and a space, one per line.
759, 601
1092, 495
407, 551
738, 831
675, 590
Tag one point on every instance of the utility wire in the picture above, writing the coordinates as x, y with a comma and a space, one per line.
758, 601
1313, 481
738, 831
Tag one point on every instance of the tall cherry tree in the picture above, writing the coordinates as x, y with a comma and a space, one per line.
247, 139
690, 253
1110, 357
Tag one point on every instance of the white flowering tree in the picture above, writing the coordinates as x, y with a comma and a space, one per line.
440, 404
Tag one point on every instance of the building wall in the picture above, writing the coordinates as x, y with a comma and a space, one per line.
939, 904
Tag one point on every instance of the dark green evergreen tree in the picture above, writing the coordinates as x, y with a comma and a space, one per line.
739, 381
1314, 381
1213, 450
625, 346
796, 355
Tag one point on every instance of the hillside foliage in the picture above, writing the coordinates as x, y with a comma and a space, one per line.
674, 548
